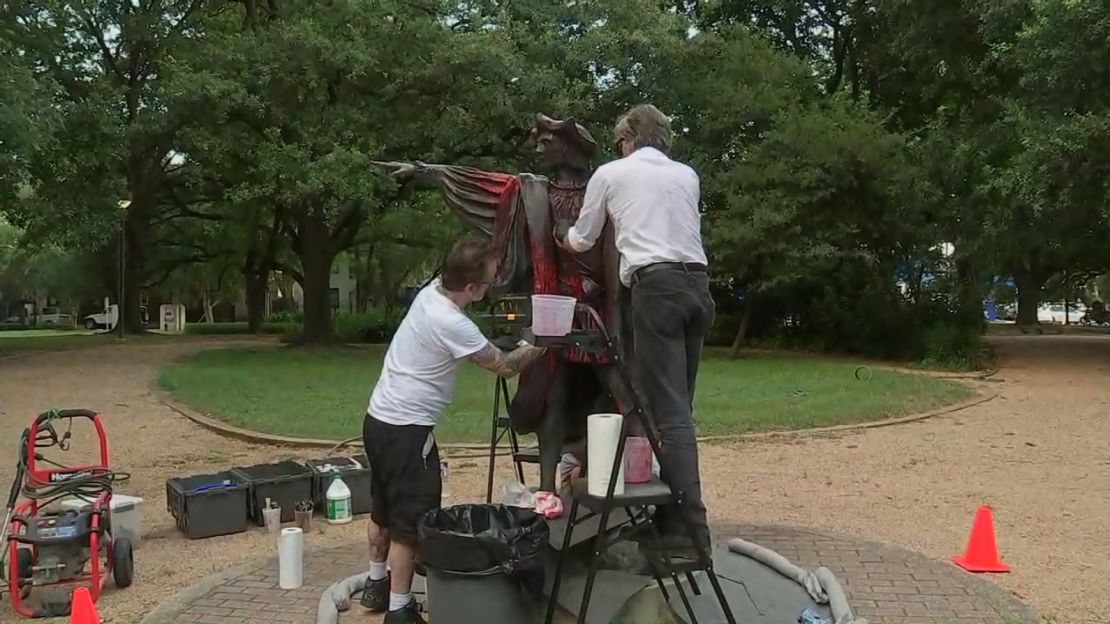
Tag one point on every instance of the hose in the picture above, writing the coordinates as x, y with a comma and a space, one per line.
337, 598
820, 584
87, 487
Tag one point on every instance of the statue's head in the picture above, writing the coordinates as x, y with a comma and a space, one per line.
562, 143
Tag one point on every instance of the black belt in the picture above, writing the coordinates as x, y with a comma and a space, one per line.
685, 267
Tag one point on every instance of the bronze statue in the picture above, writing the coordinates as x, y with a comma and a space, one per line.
520, 212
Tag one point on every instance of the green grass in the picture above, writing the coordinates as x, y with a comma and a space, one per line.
323, 394
56, 340
46, 339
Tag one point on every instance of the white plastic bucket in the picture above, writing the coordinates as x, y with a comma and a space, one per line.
552, 315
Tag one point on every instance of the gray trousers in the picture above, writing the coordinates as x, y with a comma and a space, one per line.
672, 312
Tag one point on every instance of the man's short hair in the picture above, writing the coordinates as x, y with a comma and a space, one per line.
466, 263
645, 126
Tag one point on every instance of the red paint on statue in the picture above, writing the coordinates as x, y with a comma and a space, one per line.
509, 191
554, 271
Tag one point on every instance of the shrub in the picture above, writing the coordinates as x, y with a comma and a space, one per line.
227, 329
951, 347
375, 326
287, 317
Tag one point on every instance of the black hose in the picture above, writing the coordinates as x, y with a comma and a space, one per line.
87, 487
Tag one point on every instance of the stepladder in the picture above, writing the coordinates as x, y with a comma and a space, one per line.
501, 429
636, 499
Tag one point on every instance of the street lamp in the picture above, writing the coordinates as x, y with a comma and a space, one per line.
123, 206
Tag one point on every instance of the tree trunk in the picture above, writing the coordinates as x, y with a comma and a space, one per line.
134, 274
742, 331
256, 300
970, 296
1067, 298
206, 301
136, 233
1029, 286
257, 266
316, 260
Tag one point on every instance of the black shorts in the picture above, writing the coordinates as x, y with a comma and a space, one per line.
405, 483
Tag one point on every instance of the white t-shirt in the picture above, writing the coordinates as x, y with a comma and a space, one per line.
418, 378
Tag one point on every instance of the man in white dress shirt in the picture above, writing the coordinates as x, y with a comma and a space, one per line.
653, 203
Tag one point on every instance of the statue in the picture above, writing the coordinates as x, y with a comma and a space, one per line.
520, 212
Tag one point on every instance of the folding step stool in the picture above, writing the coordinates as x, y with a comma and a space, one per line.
636, 497
502, 428
508, 313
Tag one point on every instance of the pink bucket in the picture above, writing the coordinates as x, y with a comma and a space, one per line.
637, 460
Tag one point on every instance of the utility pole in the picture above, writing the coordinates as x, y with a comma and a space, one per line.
124, 205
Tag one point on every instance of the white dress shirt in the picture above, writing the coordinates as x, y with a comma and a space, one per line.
653, 202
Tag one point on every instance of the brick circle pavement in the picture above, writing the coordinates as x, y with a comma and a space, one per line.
886, 584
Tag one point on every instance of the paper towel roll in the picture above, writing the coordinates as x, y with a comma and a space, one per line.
602, 435
291, 558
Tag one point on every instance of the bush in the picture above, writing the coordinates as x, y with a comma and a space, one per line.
951, 347
375, 326
852, 311
227, 329
287, 317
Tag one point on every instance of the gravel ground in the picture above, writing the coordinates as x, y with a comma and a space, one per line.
1038, 454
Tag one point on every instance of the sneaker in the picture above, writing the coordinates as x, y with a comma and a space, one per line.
408, 615
375, 595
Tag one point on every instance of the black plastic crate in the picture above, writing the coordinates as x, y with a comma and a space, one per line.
208, 505
285, 483
356, 474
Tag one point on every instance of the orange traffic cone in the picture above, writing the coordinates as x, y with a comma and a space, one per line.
982, 552
82, 610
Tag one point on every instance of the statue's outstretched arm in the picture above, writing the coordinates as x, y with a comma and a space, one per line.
472, 193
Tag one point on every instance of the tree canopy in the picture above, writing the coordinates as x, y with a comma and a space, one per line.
866, 167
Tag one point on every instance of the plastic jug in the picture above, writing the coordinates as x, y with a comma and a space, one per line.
339, 502
637, 460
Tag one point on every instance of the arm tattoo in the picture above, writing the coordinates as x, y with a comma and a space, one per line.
506, 364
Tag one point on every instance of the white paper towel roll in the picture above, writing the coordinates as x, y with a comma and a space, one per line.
602, 435
291, 558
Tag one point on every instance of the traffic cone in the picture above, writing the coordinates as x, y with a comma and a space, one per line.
982, 552
81, 609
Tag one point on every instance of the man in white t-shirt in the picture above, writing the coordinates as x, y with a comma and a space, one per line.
416, 385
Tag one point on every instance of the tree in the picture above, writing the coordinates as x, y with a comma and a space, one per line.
49, 270
104, 64
1058, 177
312, 97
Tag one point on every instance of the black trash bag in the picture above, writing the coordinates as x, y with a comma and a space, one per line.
480, 540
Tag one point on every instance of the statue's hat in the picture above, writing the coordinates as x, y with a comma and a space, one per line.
569, 129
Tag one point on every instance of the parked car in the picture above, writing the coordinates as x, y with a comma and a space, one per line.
52, 316
106, 319
1054, 312
1096, 315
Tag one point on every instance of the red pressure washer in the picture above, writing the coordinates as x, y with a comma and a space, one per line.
47, 545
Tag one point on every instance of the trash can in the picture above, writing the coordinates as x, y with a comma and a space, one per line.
484, 563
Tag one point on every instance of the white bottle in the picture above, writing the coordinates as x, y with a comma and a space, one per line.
339, 502
444, 478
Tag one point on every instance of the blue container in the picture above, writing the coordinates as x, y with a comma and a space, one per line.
811, 616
